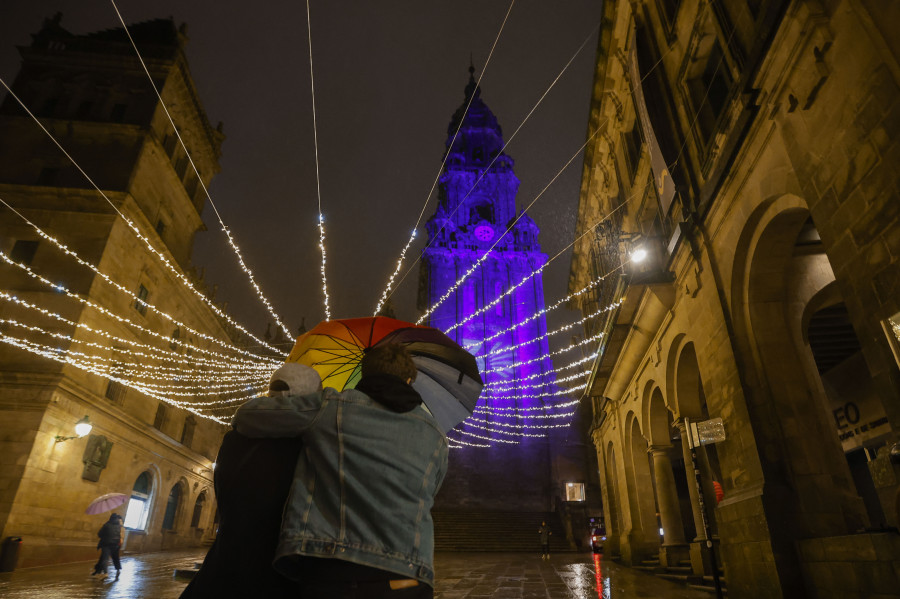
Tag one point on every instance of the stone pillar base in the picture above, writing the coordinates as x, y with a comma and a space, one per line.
673, 555
700, 562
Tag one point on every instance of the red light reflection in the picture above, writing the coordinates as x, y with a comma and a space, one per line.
598, 573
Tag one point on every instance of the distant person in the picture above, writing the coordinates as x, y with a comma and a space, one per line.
110, 542
252, 480
545, 533
358, 522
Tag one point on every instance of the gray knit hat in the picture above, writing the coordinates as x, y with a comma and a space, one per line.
294, 379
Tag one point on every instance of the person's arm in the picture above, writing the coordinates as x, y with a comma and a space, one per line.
277, 416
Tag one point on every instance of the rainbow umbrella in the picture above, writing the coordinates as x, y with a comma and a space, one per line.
447, 379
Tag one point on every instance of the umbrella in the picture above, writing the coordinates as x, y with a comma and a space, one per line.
104, 503
448, 378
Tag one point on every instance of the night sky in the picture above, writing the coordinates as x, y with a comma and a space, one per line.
388, 76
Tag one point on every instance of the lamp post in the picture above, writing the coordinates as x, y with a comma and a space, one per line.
82, 428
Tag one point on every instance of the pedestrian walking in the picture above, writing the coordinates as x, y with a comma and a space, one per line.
252, 480
545, 533
357, 524
111, 534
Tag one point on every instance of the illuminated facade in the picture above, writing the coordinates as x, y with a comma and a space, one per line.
476, 207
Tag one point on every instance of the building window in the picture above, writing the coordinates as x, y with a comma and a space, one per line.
139, 504
633, 142
669, 10
160, 419
140, 304
48, 176
176, 335
49, 107
117, 115
169, 144
710, 88
574, 491
187, 433
160, 227
198, 510
23, 251
172, 508
115, 391
84, 110
181, 166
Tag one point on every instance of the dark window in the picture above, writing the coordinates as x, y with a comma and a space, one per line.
711, 89
160, 226
172, 508
84, 110
669, 9
181, 166
187, 433
118, 113
190, 186
160, 419
176, 335
49, 107
484, 212
23, 251
48, 176
140, 304
115, 391
633, 142
198, 510
169, 144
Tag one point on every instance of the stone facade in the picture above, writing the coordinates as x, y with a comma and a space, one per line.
751, 149
91, 93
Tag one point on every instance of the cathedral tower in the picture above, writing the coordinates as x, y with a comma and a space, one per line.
477, 217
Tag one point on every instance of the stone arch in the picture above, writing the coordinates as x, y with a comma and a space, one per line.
657, 418
200, 509
615, 525
644, 534
774, 282
176, 500
690, 400
663, 454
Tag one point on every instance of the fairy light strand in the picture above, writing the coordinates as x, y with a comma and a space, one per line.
121, 288
158, 254
62, 357
64, 290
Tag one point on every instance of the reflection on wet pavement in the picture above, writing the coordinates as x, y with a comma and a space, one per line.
460, 575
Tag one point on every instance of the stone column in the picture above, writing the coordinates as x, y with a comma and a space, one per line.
667, 496
691, 484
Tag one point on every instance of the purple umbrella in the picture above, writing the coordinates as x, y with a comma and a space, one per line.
104, 503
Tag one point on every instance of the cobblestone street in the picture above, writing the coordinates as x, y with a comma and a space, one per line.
460, 575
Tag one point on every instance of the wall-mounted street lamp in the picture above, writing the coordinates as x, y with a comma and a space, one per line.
82, 428
638, 254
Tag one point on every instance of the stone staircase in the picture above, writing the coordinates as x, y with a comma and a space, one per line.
682, 573
496, 531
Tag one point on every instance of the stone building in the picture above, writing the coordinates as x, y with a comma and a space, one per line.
493, 471
91, 93
748, 151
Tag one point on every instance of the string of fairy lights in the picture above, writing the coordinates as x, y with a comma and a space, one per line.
229, 375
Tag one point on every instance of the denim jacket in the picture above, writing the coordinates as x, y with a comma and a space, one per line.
365, 480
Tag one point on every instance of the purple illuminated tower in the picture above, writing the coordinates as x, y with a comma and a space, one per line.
476, 211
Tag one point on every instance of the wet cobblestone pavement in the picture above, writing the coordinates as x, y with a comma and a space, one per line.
460, 576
